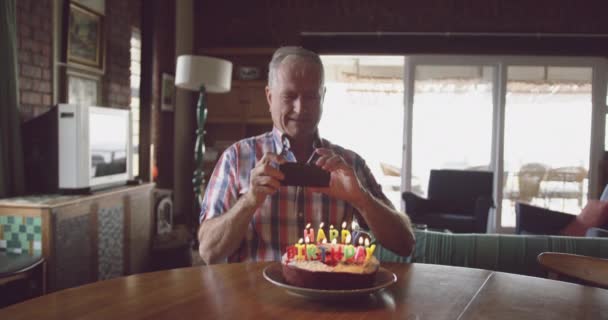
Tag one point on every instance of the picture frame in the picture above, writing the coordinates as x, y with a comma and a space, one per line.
167, 100
83, 89
98, 6
85, 38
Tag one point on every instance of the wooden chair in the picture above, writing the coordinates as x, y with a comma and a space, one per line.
582, 269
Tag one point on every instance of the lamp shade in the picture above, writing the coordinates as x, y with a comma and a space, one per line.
192, 72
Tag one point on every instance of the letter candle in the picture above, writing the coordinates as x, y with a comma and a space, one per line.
291, 253
349, 249
309, 233
345, 233
369, 251
300, 248
333, 233
323, 248
336, 251
321, 234
361, 254
311, 250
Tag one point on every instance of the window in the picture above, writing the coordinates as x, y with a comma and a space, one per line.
363, 112
527, 119
135, 69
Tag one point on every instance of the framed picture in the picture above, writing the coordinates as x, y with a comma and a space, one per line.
83, 89
85, 37
98, 6
167, 93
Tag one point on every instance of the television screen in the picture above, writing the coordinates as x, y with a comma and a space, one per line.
108, 142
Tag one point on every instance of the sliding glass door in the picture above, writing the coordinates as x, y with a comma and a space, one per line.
547, 138
534, 121
452, 120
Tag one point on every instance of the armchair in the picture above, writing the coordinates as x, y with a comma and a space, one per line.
592, 221
458, 200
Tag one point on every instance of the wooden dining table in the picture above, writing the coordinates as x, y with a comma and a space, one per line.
239, 291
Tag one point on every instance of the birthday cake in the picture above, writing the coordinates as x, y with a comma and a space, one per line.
330, 265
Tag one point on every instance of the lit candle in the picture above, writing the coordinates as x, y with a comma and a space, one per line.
309, 233
320, 234
333, 233
300, 247
349, 249
345, 233
369, 252
360, 255
291, 253
322, 253
311, 250
336, 251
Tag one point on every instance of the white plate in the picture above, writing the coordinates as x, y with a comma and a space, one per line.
274, 274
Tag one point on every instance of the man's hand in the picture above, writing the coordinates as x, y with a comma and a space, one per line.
265, 179
343, 183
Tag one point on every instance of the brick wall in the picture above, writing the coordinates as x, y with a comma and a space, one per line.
116, 81
34, 46
35, 52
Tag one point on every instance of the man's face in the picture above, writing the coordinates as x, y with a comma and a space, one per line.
296, 98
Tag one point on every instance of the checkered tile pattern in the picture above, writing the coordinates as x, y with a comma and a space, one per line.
21, 234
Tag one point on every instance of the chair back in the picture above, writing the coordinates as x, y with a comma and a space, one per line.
582, 269
529, 177
531, 219
459, 189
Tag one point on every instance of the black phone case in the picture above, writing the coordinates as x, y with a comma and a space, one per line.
305, 175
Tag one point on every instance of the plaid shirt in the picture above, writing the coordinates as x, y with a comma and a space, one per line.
281, 219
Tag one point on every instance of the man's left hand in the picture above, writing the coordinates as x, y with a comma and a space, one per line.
343, 183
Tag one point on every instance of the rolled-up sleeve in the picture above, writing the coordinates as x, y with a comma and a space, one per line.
222, 190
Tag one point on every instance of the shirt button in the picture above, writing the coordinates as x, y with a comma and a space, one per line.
300, 214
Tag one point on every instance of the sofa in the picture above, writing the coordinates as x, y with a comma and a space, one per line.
498, 252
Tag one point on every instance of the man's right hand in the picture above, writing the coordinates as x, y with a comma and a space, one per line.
265, 179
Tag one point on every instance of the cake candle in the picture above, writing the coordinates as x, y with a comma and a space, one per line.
300, 249
322, 249
345, 233
333, 233
321, 234
361, 254
369, 251
349, 249
311, 250
309, 233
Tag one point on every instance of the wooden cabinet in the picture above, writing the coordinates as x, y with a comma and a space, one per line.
245, 104
83, 238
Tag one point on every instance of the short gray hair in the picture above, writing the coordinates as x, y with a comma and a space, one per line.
283, 52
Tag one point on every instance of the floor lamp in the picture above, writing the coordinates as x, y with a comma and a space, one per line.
203, 74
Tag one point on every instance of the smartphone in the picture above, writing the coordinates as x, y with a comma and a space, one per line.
305, 175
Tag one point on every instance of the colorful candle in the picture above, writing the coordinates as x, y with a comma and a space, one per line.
349, 249
369, 252
333, 233
300, 247
320, 234
291, 253
336, 251
309, 233
360, 255
311, 250
345, 233
322, 249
